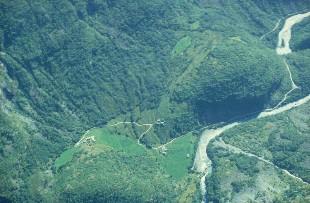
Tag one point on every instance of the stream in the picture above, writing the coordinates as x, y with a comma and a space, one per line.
202, 164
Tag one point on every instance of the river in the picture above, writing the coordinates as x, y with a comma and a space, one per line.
286, 33
202, 164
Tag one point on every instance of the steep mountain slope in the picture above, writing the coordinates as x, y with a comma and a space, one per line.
67, 66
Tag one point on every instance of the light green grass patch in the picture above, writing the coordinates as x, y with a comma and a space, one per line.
237, 39
176, 162
105, 137
179, 157
195, 25
65, 157
182, 45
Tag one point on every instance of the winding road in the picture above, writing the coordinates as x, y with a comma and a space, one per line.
163, 146
202, 164
139, 125
293, 87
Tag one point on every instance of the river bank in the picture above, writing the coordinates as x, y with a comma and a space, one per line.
202, 164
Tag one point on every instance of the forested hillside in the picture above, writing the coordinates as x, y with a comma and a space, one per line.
68, 66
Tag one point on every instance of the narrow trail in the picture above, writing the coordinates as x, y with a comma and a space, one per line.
274, 29
137, 124
237, 150
283, 48
202, 164
85, 138
82, 139
142, 135
293, 87
163, 146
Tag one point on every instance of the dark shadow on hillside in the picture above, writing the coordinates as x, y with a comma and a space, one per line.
4, 200
305, 44
228, 111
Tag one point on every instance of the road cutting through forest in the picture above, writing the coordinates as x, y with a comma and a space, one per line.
274, 29
221, 143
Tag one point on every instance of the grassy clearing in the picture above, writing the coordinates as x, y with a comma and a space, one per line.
65, 157
182, 45
198, 53
176, 162
195, 25
105, 137
237, 39
121, 156
179, 157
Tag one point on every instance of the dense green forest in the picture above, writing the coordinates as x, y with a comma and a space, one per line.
68, 66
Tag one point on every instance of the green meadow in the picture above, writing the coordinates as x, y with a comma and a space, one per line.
176, 161
179, 157
117, 159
